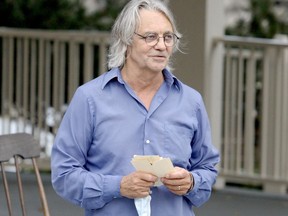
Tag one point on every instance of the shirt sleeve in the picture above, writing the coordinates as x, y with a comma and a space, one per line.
70, 179
203, 159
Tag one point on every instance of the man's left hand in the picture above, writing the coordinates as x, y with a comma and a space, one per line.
179, 181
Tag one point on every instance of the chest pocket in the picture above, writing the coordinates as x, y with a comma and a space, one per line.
177, 144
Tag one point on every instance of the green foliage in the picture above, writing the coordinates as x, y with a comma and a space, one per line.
56, 14
43, 14
263, 22
104, 19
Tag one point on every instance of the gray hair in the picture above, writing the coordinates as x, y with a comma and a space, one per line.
126, 24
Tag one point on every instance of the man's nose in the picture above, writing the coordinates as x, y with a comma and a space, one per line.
161, 43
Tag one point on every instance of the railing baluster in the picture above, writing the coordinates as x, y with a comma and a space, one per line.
33, 92
88, 61
249, 132
226, 138
233, 107
19, 83
62, 77
40, 104
102, 57
239, 133
5, 86
72, 69
47, 87
266, 101
285, 116
25, 86
278, 113
55, 83
10, 80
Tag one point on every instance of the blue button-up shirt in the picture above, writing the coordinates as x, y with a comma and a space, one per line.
106, 124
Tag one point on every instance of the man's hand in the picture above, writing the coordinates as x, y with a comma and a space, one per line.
179, 181
137, 184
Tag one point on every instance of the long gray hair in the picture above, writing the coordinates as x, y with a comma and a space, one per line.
126, 24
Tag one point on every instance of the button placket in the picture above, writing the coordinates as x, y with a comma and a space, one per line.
147, 141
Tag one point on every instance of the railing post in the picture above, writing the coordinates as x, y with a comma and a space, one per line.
275, 120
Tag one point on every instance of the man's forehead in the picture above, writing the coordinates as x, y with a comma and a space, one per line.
153, 20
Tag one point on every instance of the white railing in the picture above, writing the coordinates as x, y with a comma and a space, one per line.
255, 112
40, 71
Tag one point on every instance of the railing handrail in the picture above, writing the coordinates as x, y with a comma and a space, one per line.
249, 41
59, 34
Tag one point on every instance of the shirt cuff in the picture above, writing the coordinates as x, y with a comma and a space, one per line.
111, 187
197, 180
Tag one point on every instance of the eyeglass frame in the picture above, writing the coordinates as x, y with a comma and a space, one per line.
175, 38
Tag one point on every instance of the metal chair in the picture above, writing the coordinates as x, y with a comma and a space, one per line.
21, 146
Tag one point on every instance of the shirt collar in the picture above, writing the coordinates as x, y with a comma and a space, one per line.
170, 79
110, 75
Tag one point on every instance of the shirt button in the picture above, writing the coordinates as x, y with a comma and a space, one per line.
147, 141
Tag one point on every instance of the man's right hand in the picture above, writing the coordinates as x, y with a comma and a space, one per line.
137, 184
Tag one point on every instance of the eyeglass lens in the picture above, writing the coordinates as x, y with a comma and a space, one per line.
153, 39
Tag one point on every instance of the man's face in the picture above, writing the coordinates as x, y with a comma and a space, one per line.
140, 55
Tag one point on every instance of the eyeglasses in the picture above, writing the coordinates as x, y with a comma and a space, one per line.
152, 39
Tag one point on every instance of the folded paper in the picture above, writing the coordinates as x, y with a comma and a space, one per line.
153, 164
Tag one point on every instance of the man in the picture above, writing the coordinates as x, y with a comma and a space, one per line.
136, 108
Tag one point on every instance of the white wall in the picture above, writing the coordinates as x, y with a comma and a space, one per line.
200, 21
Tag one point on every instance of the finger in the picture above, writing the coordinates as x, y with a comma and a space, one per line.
133, 185
179, 187
141, 192
147, 177
139, 179
173, 182
177, 173
178, 190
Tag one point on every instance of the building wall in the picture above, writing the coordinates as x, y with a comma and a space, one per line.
200, 21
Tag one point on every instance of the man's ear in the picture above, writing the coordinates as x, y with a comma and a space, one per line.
128, 51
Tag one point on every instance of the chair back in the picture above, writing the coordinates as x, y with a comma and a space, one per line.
21, 146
